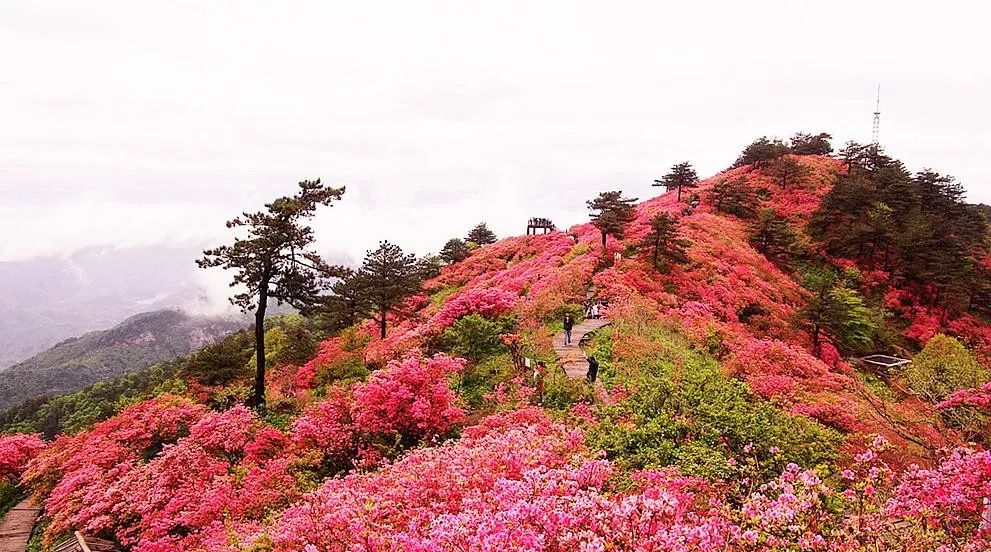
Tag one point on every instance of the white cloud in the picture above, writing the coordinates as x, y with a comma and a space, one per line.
129, 124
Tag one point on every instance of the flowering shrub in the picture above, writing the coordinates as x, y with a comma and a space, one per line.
15, 452
488, 302
410, 397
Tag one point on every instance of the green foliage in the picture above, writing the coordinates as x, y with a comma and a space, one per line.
476, 338
877, 386
10, 495
811, 144
837, 309
387, 276
346, 305
917, 227
944, 366
610, 213
76, 411
455, 250
349, 370
681, 176
788, 171
760, 152
561, 392
437, 298
36, 543
556, 317
222, 362
481, 235
685, 412
663, 244
734, 197
772, 235
480, 378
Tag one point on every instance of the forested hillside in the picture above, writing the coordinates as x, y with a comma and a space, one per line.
137, 343
420, 406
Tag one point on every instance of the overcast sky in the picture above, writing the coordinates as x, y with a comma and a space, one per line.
137, 123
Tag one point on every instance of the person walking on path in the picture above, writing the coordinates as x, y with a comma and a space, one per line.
569, 323
593, 369
538, 381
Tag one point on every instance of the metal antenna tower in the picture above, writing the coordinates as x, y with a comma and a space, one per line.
877, 118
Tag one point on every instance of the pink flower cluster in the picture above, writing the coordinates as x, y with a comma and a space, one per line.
489, 302
15, 452
410, 397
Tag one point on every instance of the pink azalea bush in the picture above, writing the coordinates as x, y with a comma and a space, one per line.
410, 397
15, 452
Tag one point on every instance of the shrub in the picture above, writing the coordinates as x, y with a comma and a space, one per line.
410, 397
476, 338
943, 366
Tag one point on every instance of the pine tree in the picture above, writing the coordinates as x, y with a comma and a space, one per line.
455, 250
809, 144
734, 197
681, 176
481, 235
663, 243
274, 261
388, 276
610, 213
760, 152
347, 304
835, 308
771, 233
788, 171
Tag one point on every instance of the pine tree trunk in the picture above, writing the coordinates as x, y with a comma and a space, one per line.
382, 323
259, 396
603, 240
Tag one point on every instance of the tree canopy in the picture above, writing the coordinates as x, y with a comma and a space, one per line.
274, 260
681, 176
389, 275
663, 243
610, 213
481, 235
455, 250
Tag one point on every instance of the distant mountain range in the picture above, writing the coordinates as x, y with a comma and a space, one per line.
47, 300
136, 343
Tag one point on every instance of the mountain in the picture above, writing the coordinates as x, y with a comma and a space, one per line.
730, 412
47, 300
136, 343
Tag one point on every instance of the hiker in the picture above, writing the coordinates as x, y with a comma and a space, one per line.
595, 310
593, 369
538, 381
569, 323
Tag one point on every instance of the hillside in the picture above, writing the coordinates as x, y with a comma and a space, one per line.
729, 414
136, 343
48, 300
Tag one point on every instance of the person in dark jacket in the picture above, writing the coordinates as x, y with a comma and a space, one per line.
593, 369
569, 323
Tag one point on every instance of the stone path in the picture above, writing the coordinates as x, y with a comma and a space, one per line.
15, 530
571, 357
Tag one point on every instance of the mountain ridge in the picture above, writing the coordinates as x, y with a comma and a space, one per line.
137, 342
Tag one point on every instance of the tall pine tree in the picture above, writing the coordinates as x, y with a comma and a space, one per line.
481, 235
681, 176
389, 275
663, 243
274, 261
610, 213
